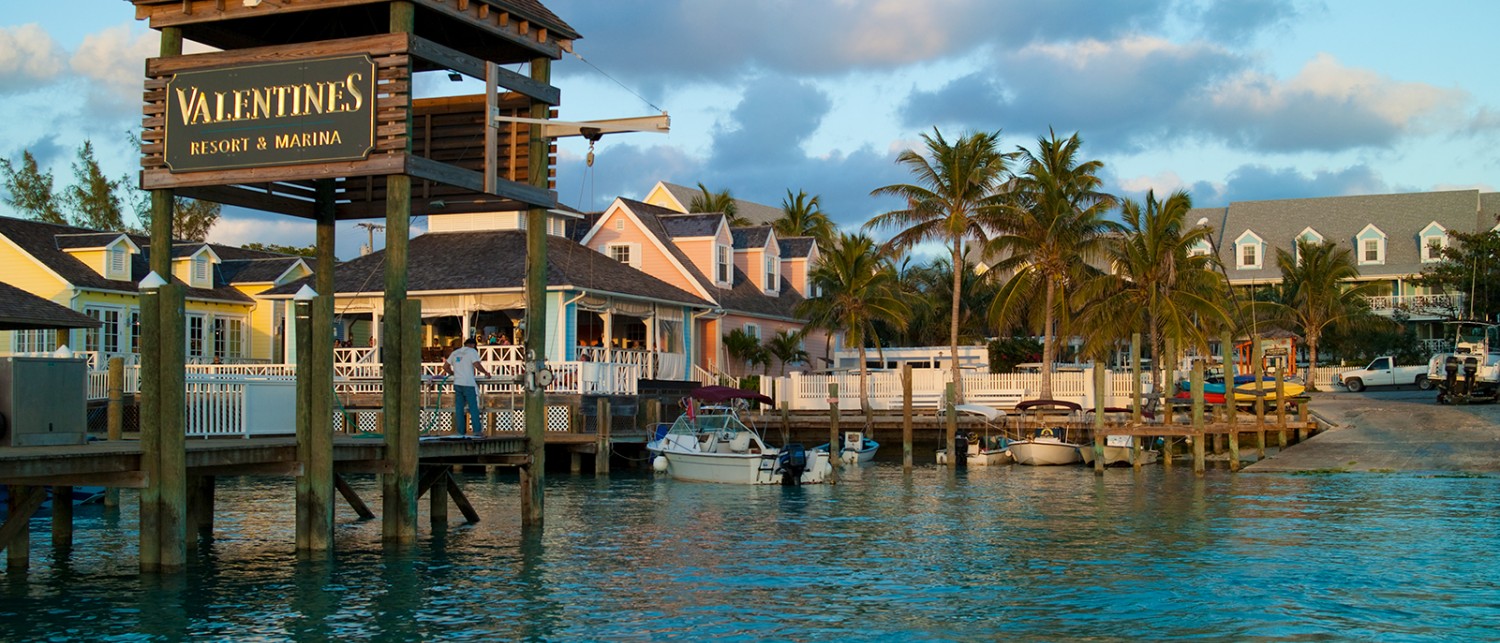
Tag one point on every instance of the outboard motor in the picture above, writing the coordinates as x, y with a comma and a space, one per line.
792, 463
961, 446
1471, 368
1450, 369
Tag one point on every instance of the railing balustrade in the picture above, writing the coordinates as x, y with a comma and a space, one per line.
1444, 303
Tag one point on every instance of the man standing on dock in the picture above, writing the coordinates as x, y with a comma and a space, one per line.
462, 364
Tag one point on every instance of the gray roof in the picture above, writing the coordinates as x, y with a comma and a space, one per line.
21, 310
756, 213
691, 225
250, 271
1402, 217
797, 247
496, 260
746, 297
41, 240
650, 216
750, 237
85, 240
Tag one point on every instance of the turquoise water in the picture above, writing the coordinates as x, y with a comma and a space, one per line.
1000, 553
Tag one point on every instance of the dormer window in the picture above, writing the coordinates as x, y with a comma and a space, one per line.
1434, 239
1308, 236
1371, 244
723, 265
1249, 251
1200, 247
200, 269
773, 275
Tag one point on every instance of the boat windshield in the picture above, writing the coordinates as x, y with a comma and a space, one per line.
706, 423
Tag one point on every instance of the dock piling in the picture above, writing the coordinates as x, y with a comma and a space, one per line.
833, 431
1199, 464
1099, 395
602, 440
906, 427
115, 417
950, 436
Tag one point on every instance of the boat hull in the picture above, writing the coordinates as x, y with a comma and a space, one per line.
738, 468
980, 457
1045, 453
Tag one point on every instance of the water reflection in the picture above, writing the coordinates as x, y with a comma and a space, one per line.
984, 553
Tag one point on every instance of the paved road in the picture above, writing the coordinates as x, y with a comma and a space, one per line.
1395, 430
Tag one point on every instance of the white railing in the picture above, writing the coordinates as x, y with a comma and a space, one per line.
810, 392
704, 377
1435, 346
353, 355
1442, 304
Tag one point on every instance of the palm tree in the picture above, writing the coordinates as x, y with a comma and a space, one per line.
1157, 281
721, 201
744, 347
957, 190
1053, 226
802, 216
858, 290
786, 347
1315, 294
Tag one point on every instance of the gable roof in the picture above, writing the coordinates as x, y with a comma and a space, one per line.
88, 240
251, 271
680, 226
439, 261
746, 297
1340, 220
21, 310
750, 237
756, 213
650, 218
796, 247
40, 240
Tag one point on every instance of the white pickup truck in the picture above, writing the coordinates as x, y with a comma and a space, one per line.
1381, 372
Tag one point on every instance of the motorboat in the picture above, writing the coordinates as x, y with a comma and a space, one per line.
985, 450
858, 449
1471, 371
1118, 448
711, 445
1047, 445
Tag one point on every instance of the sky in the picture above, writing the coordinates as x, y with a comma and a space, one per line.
1233, 100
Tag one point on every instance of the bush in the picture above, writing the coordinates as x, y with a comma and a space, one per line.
1007, 352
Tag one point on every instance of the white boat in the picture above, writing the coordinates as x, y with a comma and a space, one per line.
1046, 446
986, 450
717, 447
1117, 450
858, 449
1471, 372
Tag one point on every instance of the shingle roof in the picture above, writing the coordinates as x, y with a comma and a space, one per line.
746, 297
496, 260
85, 240
21, 310
797, 247
250, 271
40, 240
650, 218
182, 249
755, 213
750, 237
691, 225
1339, 219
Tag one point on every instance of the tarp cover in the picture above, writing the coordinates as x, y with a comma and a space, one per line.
722, 394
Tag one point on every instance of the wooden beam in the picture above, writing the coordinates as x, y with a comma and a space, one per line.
252, 199
378, 45
473, 66
14, 537
461, 500
363, 466
288, 468
511, 460
122, 479
377, 165
355, 502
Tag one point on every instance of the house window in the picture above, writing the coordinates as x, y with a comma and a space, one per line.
1371, 244
135, 330
773, 280
228, 337
1248, 256
724, 265
33, 341
106, 338
195, 338
1372, 250
619, 223
752, 330
620, 252
1432, 250
200, 270
117, 263
1249, 251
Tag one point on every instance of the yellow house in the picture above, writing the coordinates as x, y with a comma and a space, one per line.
96, 273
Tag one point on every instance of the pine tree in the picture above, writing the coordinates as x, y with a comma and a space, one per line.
30, 190
92, 198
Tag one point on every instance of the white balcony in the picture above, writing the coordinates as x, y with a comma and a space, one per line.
1443, 305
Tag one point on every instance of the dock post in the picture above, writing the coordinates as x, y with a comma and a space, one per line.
950, 417
1165, 363
150, 429
602, 431
533, 473
172, 439
437, 497
1281, 408
318, 467
833, 431
115, 417
62, 517
1231, 410
906, 460
1302, 413
1135, 379
302, 323
15, 534
1258, 367
1199, 457
1099, 384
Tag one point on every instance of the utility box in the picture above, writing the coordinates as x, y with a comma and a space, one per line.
43, 401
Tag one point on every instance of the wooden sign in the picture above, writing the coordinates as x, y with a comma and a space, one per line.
285, 113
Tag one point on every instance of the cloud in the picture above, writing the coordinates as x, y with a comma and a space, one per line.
769, 125
113, 61
659, 43
1259, 182
1326, 107
1237, 21
28, 57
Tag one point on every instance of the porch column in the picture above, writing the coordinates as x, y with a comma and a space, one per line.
467, 324
608, 319
375, 325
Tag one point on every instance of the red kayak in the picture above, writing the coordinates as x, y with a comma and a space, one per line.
1208, 398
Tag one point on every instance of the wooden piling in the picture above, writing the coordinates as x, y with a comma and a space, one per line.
906, 423
62, 517
1302, 417
115, 417
150, 429
950, 417
1258, 367
15, 534
317, 468
399, 485
602, 440
833, 431
1281, 408
172, 439
1099, 395
1231, 408
1199, 457
303, 329
533, 473
1135, 379
437, 498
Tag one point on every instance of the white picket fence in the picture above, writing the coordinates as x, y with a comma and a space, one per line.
1002, 390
